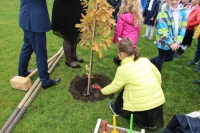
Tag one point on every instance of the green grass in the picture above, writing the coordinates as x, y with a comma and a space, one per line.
54, 110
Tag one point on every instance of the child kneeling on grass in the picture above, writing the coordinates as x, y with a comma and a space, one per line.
141, 93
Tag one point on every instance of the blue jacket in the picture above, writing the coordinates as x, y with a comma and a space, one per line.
143, 4
183, 124
165, 28
33, 16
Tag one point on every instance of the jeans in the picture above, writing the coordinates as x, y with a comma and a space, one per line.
197, 53
163, 56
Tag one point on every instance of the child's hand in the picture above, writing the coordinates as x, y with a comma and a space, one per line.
152, 19
174, 46
96, 86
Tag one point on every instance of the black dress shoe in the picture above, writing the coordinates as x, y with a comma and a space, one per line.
197, 82
117, 61
78, 59
52, 83
77, 66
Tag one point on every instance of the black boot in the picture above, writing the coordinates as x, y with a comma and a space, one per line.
117, 60
179, 53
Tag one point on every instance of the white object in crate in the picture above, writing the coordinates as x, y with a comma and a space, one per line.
99, 122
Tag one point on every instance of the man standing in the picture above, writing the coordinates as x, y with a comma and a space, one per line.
35, 22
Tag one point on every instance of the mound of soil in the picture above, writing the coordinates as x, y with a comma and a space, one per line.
78, 88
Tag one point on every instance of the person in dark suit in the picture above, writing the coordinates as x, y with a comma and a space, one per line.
35, 22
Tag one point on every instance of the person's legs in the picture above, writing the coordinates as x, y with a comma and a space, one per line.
25, 55
147, 31
197, 56
74, 55
146, 121
169, 55
151, 32
67, 46
119, 102
117, 105
68, 50
160, 59
38, 43
197, 53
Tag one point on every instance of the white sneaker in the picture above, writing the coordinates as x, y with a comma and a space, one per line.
150, 38
144, 35
195, 114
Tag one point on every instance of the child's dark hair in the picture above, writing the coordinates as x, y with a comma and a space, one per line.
126, 45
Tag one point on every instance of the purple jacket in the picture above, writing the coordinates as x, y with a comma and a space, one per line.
125, 28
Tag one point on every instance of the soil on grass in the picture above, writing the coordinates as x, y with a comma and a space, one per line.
78, 88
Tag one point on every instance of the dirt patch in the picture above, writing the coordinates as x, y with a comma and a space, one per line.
78, 88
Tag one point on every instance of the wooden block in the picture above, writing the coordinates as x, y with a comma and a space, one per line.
21, 83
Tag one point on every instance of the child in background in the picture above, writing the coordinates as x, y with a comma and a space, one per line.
129, 22
197, 32
193, 20
196, 59
163, 4
150, 15
185, 3
171, 26
140, 83
115, 4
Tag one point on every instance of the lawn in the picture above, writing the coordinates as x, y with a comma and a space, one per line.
55, 110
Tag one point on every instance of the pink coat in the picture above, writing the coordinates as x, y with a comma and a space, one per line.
125, 28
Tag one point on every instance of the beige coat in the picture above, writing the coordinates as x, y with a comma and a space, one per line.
142, 85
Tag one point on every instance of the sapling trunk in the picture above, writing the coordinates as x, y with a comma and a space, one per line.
89, 88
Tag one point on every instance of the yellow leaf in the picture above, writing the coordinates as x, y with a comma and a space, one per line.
91, 14
106, 33
103, 18
78, 26
104, 46
100, 54
87, 44
97, 1
87, 68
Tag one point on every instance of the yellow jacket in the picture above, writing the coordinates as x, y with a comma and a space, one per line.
142, 85
197, 32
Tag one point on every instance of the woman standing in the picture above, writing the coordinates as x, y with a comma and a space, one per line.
66, 14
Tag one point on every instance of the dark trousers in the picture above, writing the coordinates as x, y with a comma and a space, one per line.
34, 42
143, 117
197, 53
163, 56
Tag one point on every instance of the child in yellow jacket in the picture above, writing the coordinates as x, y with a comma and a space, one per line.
142, 94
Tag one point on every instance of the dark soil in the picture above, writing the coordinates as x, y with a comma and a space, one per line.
78, 88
